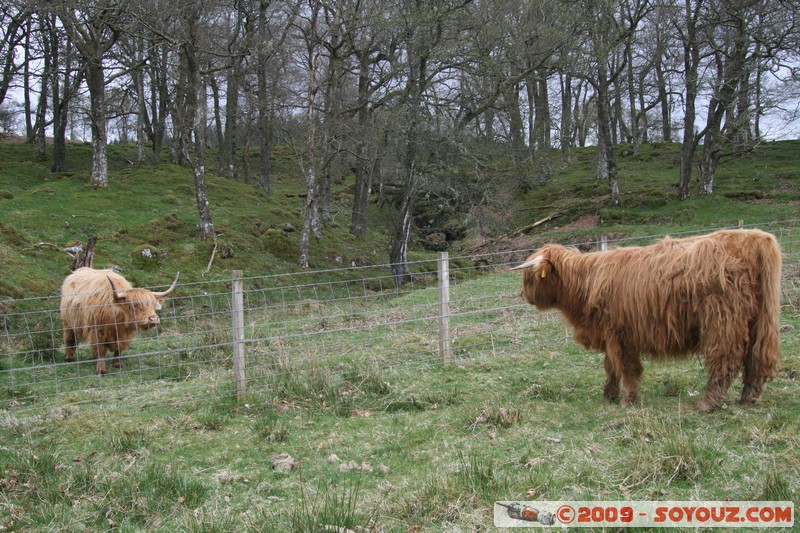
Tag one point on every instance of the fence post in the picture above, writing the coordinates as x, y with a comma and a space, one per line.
237, 314
445, 343
602, 243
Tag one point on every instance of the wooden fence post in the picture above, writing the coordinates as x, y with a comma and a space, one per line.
237, 314
445, 343
602, 243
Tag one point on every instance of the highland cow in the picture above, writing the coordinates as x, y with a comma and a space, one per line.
717, 294
101, 308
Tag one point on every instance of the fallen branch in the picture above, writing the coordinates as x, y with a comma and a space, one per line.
518, 231
529, 227
211, 261
48, 245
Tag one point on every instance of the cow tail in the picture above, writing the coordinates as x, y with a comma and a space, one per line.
765, 346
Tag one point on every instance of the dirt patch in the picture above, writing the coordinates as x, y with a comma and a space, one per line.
516, 245
585, 222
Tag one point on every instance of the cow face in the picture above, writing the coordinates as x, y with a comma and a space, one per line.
141, 306
540, 280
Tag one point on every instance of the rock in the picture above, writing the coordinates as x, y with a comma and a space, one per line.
282, 462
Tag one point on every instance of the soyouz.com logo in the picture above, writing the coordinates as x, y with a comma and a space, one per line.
644, 514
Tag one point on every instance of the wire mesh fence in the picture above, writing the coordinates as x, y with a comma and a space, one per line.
314, 323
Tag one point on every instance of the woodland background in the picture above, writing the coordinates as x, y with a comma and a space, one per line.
422, 104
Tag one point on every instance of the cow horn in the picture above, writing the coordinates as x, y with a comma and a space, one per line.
528, 264
118, 295
171, 287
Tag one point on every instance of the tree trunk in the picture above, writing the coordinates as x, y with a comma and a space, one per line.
363, 177
95, 79
26, 85
605, 142
516, 125
62, 96
264, 114
729, 71
40, 127
201, 194
565, 137
311, 216
231, 120
691, 64
159, 98
635, 137
399, 251
194, 122
218, 131
141, 109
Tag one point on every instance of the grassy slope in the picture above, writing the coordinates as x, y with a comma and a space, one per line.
154, 206
762, 186
454, 440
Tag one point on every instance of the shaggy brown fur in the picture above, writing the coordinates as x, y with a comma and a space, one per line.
717, 294
101, 308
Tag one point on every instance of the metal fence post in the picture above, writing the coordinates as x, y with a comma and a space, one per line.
445, 343
237, 315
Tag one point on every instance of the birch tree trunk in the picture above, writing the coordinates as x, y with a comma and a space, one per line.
194, 121
311, 216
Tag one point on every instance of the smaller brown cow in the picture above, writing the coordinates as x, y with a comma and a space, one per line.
101, 308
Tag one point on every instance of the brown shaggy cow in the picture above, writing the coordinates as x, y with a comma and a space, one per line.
102, 309
717, 294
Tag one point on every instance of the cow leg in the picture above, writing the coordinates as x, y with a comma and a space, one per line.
716, 387
724, 358
752, 380
626, 365
753, 376
611, 387
99, 351
116, 363
70, 344
631, 377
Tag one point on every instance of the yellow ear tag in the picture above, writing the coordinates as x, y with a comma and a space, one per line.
544, 274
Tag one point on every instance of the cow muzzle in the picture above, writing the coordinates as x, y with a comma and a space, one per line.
151, 321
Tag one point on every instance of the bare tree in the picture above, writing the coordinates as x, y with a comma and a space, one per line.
14, 29
308, 27
94, 28
689, 28
195, 109
423, 31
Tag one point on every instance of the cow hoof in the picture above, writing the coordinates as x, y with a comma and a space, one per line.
611, 394
749, 395
630, 401
706, 406
117, 365
101, 372
69, 359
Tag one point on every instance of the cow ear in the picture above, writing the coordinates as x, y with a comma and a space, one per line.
545, 268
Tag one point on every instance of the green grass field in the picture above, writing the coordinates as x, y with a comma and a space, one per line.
382, 437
